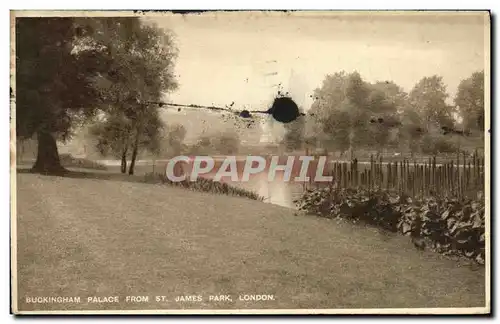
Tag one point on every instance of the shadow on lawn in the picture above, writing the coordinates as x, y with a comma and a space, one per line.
85, 174
201, 184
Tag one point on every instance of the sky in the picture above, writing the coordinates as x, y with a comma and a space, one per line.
242, 57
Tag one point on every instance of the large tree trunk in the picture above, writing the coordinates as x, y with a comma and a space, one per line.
47, 160
124, 161
134, 154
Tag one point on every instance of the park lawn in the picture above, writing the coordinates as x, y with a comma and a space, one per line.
91, 237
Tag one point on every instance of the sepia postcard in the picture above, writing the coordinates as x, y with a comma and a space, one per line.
250, 162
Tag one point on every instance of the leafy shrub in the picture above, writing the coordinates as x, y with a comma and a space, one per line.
445, 225
438, 144
446, 146
449, 225
67, 160
203, 184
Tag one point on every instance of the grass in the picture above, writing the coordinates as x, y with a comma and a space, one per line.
453, 227
90, 237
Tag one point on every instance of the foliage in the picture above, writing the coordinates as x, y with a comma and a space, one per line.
203, 146
349, 113
141, 71
294, 134
152, 130
433, 145
53, 82
412, 130
69, 69
141, 68
446, 225
115, 135
428, 98
54, 87
335, 125
393, 93
470, 101
346, 107
112, 134
173, 138
227, 143
204, 185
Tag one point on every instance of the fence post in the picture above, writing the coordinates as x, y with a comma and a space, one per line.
389, 175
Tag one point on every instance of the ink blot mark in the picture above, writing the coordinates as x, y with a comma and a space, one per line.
245, 114
284, 110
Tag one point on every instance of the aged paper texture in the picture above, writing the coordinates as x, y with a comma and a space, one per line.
318, 162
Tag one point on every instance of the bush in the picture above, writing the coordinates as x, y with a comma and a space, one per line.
448, 226
446, 145
203, 184
67, 160
433, 145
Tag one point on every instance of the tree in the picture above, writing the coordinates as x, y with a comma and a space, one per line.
68, 69
470, 101
116, 136
53, 83
346, 107
174, 138
332, 125
393, 93
396, 102
294, 134
428, 98
412, 130
227, 143
204, 141
358, 106
202, 146
142, 72
329, 96
113, 137
337, 128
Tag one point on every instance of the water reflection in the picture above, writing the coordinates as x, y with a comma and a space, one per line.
276, 191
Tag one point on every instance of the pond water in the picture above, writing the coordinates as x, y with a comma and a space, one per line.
276, 191
279, 190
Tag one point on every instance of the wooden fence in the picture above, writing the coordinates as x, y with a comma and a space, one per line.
462, 177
